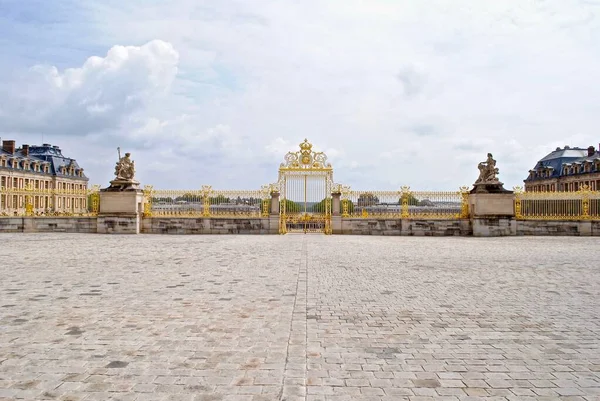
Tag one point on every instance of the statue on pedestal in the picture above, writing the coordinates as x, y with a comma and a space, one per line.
488, 171
124, 174
125, 168
488, 181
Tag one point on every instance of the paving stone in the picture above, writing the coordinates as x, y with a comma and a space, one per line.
298, 318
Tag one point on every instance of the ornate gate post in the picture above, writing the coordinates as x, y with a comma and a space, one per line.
28, 199
585, 202
148, 200
206, 191
405, 194
518, 214
94, 197
464, 202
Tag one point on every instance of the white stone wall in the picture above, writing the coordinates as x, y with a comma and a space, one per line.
48, 224
121, 224
408, 227
182, 225
558, 228
483, 227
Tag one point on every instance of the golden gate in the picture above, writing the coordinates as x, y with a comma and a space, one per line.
305, 184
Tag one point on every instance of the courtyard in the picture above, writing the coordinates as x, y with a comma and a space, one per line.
298, 317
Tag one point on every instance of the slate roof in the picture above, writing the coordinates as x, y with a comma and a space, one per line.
50, 154
561, 156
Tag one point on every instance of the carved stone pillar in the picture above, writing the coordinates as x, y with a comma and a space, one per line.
275, 203
335, 203
274, 216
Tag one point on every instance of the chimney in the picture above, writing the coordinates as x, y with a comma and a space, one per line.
8, 146
591, 151
25, 150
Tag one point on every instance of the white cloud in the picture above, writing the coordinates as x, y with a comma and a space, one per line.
97, 96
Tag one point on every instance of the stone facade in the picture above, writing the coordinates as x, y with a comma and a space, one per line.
566, 169
54, 182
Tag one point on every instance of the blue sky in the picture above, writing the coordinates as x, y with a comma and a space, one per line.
396, 93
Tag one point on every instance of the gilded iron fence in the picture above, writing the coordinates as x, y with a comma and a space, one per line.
49, 202
405, 203
583, 204
206, 202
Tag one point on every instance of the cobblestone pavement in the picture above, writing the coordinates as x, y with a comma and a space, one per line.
298, 318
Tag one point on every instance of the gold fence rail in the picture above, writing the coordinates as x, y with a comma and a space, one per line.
583, 204
206, 202
406, 204
42, 202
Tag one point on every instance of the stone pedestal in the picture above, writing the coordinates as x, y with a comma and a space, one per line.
493, 214
490, 204
120, 211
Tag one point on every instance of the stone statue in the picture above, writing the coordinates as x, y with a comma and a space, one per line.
125, 168
125, 173
488, 181
488, 171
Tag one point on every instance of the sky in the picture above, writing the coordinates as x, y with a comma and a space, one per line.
412, 92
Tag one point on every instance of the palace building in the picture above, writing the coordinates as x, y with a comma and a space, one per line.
566, 170
41, 178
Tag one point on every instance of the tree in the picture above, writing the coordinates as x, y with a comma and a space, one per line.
187, 197
350, 207
319, 207
412, 200
290, 206
217, 200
